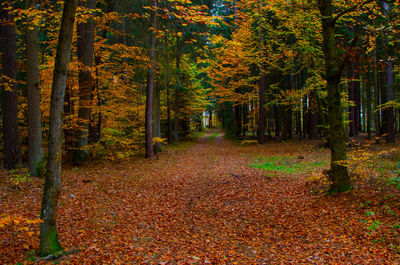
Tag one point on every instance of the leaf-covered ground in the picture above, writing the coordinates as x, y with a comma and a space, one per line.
206, 205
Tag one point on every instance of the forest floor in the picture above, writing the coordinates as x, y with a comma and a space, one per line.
209, 202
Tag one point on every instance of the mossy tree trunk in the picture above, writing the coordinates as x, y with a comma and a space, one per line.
48, 229
337, 137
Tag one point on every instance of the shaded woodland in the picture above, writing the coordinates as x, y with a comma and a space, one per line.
294, 96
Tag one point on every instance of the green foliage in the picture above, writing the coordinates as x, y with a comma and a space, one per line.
213, 136
396, 179
20, 176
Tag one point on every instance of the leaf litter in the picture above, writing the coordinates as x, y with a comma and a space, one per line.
203, 205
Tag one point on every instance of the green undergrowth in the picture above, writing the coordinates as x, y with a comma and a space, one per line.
212, 136
179, 146
287, 164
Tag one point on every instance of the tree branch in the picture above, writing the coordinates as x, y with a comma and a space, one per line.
351, 9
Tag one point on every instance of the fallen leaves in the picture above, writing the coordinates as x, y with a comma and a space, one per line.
203, 205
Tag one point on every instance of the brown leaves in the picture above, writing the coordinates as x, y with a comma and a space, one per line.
203, 205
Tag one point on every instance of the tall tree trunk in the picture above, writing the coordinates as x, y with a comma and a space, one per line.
357, 97
351, 89
210, 119
368, 107
238, 123
85, 50
284, 123
277, 123
150, 87
69, 140
376, 96
245, 118
313, 116
337, 138
305, 116
9, 106
156, 117
169, 127
390, 138
32, 70
177, 87
261, 106
169, 131
48, 229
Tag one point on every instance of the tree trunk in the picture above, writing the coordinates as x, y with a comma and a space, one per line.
150, 87
376, 96
245, 118
69, 139
85, 50
48, 229
277, 123
9, 106
368, 107
357, 97
337, 139
390, 138
261, 107
313, 116
169, 131
284, 123
156, 117
305, 116
351, 89
238, 123
32, 70
176, 107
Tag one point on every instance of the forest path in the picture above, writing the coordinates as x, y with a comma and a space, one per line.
205, 205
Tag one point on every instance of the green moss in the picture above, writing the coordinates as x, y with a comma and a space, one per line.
49, 243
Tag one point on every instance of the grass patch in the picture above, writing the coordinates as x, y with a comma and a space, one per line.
287, 164
179, 146
212, 136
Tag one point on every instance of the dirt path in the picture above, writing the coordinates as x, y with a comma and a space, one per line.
202, 206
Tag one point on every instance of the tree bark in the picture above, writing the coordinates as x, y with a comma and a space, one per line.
368, 107
150, 88
238, 123
351, 89
261, 107
35, 159
313, 116
376, 96
9, 106
85, 50
390, 138
156, 117
48, 229
337, 139
176, 106
357, 97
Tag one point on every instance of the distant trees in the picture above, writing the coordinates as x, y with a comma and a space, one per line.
323, 70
